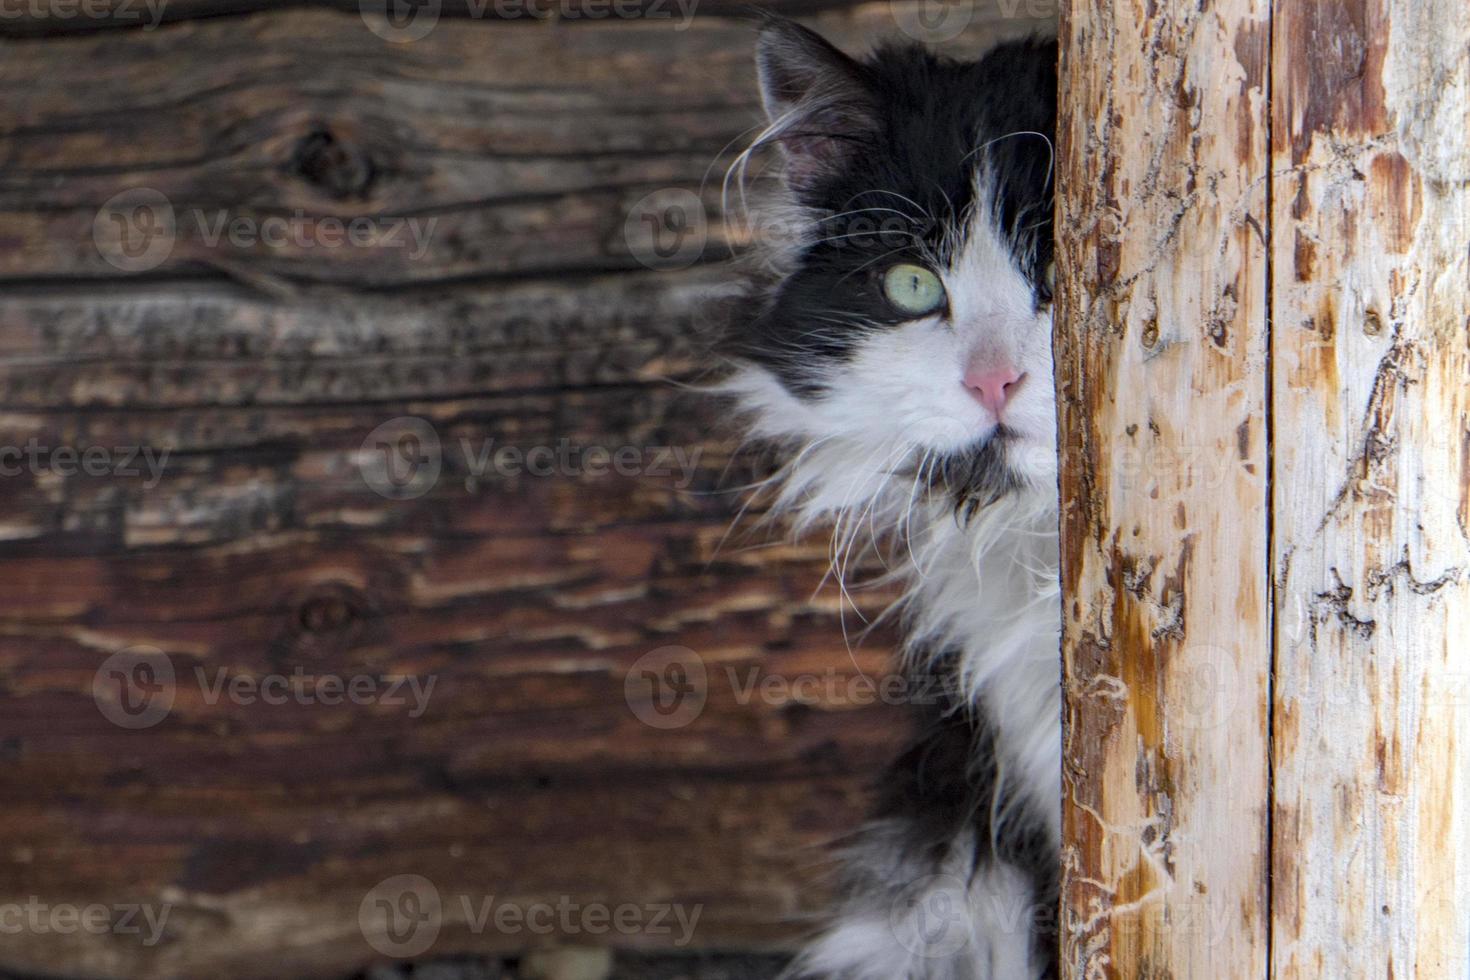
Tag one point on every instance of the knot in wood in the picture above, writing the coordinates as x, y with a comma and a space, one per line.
340, 169
327, 620
329, 613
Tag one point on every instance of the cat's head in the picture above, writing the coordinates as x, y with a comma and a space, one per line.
906, 335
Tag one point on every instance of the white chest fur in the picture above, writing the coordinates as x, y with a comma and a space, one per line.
990, 591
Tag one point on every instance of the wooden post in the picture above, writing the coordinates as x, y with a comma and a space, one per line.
1370, 296
1264, 377
1162, 372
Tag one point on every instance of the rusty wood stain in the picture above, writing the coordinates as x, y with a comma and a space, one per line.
1371, 836
1161, 359
1371, 850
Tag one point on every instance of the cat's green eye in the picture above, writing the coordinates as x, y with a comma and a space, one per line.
1050, 275
912, 289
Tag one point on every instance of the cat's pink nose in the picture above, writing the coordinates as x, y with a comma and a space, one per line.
993, 386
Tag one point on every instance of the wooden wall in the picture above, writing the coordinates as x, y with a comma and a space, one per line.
529, 312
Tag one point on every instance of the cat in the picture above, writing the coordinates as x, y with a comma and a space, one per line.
899, 352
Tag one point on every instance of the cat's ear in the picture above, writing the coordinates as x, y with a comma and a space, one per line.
820, 109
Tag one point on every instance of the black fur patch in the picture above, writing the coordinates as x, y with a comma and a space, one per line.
978, 478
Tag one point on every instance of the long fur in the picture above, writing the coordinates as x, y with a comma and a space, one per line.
955, 877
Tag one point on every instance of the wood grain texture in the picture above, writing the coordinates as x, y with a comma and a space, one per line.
1371, 398
1161, 371
55, 18
261, 549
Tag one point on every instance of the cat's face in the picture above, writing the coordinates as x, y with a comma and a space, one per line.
913, 313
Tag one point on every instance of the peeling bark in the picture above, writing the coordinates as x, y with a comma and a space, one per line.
1371, 405
1161, 373
1169, 301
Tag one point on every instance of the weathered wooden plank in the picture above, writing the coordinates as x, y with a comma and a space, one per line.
206, 345
1371, 372
254, 412
451, 160
488, 150
259, 549
1162, 379
408, 20
525, 601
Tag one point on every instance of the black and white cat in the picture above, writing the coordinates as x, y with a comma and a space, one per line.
901, 352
